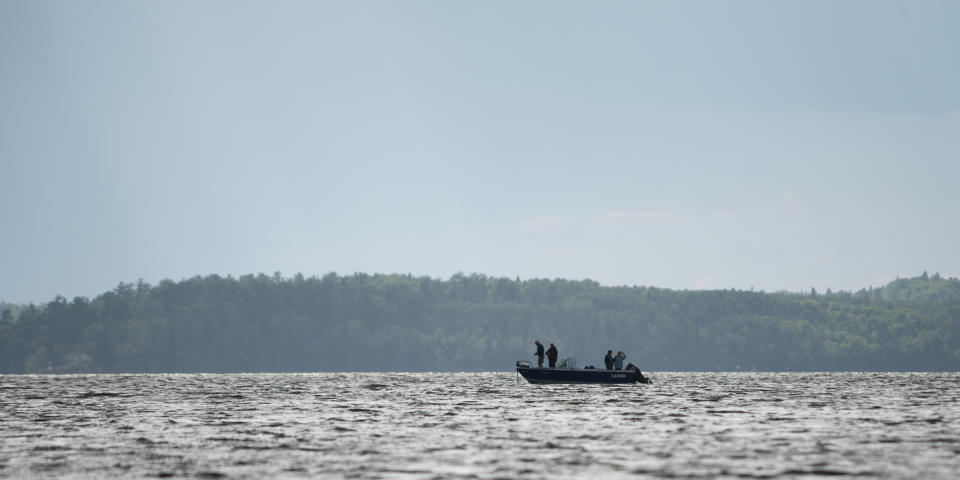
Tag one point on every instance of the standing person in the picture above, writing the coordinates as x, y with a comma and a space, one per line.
552, 355
618, 360
608, 360
539, 353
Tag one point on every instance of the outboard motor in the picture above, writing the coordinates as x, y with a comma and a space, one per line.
638, 374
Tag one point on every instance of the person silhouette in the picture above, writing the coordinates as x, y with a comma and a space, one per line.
618, 360
552, 355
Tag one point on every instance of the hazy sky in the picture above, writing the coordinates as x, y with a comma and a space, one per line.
688, 145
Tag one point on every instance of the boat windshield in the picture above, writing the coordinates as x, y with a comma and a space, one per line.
567, 362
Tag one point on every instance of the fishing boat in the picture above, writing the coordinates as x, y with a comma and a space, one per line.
566, 372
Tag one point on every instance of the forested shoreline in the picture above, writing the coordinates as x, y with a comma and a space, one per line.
361, 322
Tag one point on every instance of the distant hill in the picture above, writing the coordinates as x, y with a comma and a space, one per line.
923, 288
361, 322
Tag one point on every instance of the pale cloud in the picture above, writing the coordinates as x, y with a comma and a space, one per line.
548, 223
559, 223
705, 282
789, 202
727, 215
631, 217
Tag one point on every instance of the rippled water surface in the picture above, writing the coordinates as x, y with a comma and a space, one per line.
488, 425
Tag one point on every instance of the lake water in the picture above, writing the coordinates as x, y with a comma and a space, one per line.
486, 425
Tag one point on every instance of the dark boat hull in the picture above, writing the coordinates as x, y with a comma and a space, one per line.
579, 375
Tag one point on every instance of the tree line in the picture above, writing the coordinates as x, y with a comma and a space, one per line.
362, 322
